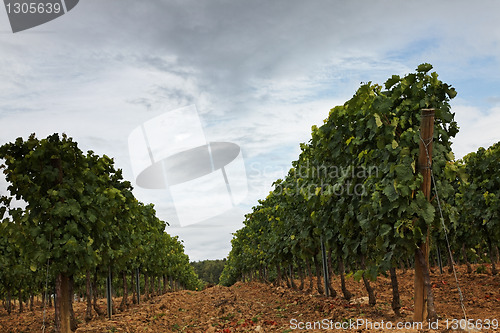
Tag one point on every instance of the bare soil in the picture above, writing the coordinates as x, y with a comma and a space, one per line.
259, 307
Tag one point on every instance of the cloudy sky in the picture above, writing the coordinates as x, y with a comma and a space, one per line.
259, 74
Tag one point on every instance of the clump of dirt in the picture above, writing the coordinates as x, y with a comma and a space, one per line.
259, 307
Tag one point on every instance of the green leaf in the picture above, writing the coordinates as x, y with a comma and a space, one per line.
390, 192
380, 143
424, 68
385, 229
358, 275
403, 173
451, 92
377, 120
392, 81
450, 156
427, 213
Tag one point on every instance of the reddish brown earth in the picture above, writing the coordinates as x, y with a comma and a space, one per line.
257, 307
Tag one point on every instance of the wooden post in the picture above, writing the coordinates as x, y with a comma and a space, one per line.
62, 313
325, 268
138, 286
109, 293
424, 167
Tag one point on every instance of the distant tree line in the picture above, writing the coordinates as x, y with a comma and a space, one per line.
209, 270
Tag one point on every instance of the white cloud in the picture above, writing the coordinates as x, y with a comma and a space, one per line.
477, 129
261, 73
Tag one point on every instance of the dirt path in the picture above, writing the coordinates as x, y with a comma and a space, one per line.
256, 307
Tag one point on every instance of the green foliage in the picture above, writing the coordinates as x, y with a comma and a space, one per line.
478, 198
356, 183
209, 270
79, 215
49, 176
